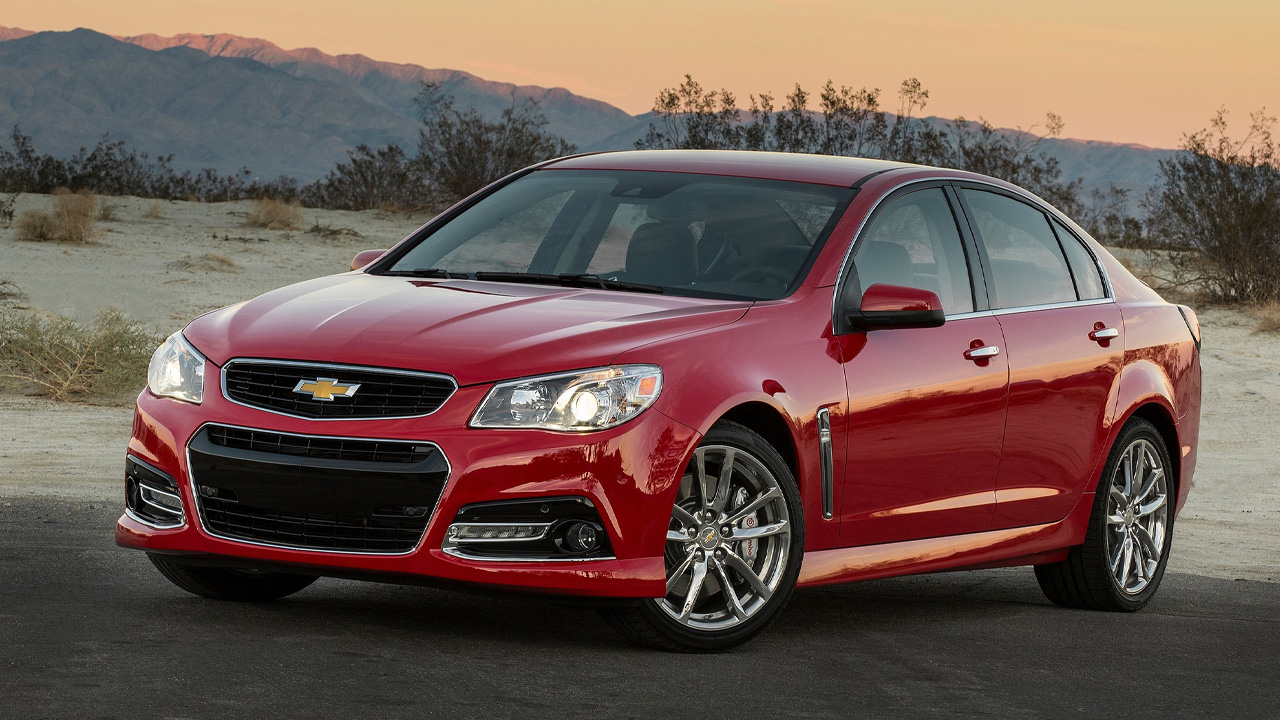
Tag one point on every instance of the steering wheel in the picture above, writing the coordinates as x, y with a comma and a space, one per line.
764, 272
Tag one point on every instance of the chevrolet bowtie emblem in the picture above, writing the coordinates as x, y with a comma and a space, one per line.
325, 389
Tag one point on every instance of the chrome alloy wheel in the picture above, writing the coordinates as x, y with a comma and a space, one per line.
727, 542
1137, 517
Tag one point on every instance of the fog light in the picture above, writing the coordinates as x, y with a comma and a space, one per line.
581, 537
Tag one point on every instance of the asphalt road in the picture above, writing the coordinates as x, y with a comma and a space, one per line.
88, 630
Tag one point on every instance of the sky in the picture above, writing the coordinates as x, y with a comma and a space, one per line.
1129, 71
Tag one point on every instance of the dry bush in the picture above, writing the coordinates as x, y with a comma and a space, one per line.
10, 292
155, 212
1268, 317
7, 203
107, 210
64, 360
274, 214
208, 262
70, 221
329, 231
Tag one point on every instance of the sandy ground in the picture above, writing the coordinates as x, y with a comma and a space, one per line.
152, 269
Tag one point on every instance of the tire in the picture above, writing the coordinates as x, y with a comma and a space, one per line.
744, 551
233, 585
1097, 575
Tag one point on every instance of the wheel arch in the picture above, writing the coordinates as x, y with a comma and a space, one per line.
769, 423
1160, 415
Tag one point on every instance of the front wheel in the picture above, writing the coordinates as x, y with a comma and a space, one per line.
1126, 548
235, 585
735, 542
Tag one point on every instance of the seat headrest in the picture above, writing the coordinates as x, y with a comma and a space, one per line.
662, 253
883, 262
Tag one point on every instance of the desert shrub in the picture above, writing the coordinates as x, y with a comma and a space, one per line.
155, 212
208, 262
1268, 317
370, 179
111, 168
1216, 207
274, 214
107, 209
66, 360
9, 291
328, 230
70, 219
7, 203
460, 152
851, 122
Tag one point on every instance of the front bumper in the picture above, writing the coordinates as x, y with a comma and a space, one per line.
629, 474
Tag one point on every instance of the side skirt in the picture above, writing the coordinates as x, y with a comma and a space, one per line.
995, 548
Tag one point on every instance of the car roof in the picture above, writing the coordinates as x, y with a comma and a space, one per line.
819, 169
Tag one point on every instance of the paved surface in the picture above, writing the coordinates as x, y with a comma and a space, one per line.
88, 630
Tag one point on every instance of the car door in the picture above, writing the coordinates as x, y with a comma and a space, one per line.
1064, 338
926, 414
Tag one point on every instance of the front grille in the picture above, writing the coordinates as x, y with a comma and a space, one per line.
319, 447
381, 393
315, 492
386, 530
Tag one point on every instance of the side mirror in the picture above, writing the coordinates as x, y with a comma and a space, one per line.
895, 306
364, 258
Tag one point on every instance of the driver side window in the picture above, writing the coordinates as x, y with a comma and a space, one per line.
914, 242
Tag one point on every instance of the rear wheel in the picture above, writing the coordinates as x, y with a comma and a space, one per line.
734, 546
235, 585
1121, 563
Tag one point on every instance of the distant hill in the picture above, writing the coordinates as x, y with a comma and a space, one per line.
226, 102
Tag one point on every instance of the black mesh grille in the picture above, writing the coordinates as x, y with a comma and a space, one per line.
381, 393
315, 492
319, 447
387, 530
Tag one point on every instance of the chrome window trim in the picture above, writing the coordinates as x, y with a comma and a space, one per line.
200, 522
336, 367
1039, 204
1031, 308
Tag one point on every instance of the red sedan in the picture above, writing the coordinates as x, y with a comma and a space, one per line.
683, 383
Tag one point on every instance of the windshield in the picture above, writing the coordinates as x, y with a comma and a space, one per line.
681, 234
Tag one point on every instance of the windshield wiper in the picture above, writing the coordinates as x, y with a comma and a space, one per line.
580, 280
430, 273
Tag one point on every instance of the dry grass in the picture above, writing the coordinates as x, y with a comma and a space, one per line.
208, 262
64, 360
107, 210
7, 203
1268, 316
329, 231
274, 214
70, 220
10, 292
155, 212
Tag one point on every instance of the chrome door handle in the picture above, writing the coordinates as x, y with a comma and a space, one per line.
1105, 333
985, 352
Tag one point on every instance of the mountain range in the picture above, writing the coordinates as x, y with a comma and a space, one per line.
226, 102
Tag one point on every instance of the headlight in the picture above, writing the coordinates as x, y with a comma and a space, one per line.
177, 371
577, 401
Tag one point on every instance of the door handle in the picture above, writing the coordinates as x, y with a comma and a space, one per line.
986, 352
1103, 334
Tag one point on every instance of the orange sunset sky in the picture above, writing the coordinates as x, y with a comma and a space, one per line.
1141, 72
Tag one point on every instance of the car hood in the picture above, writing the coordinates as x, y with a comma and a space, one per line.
475, 331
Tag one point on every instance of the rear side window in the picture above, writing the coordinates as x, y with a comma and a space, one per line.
914, 242
1088, 280
1026, 260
